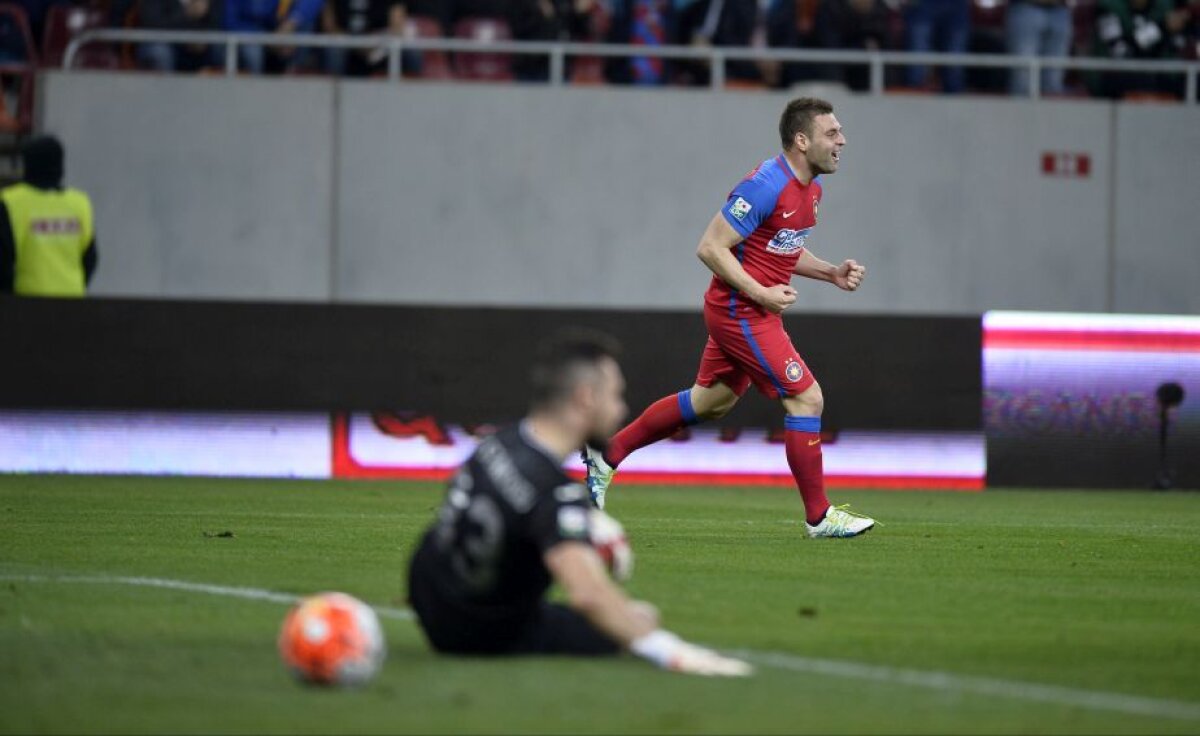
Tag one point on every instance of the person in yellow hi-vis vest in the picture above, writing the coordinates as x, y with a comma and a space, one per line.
47, 234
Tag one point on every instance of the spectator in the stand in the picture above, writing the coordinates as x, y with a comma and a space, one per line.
457, 10
547, 20
641, 23
1138, 29
790, 25
435, 9
938, 25
271, 16
707, 23
852, 24
178, 15
35, 12
1189, 13
47, 234
1038, 28
359, 18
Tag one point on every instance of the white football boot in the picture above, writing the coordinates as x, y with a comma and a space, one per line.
599, 474
839, 522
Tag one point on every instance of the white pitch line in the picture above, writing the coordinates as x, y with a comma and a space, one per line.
949, 682
254, 594
929, 679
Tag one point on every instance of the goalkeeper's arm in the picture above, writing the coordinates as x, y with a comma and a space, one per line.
633, 624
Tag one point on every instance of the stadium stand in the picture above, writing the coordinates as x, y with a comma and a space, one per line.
784, 24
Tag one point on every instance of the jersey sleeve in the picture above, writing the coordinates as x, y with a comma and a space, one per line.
750, 203
560, 516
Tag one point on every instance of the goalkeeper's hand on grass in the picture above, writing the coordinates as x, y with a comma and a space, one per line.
672, 653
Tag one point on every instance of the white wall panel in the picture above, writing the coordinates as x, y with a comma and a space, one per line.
596, 197
203, 186
1157, 216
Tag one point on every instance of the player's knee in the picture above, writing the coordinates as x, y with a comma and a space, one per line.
809, 403
712, 403
716, 410
712, 412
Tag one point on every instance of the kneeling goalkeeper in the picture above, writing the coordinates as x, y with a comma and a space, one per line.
513, 522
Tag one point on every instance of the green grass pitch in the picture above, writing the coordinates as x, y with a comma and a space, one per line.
999, 612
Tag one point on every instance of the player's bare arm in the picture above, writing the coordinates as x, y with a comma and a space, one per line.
716, 251
577, 568
848, 276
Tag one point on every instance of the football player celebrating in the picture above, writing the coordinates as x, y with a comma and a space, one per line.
513, 522
754, 246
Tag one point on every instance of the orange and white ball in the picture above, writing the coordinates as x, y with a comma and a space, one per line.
332, 639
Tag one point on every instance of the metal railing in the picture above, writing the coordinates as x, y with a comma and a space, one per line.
558, 52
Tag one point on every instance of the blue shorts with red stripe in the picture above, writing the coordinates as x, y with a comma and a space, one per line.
753, 349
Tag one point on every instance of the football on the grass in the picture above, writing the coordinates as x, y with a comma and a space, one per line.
332, 639
608, 537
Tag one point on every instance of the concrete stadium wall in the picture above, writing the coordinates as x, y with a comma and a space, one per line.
202, 188
1156, 220
310, 189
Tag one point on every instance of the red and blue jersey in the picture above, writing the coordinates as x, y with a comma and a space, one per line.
774, 213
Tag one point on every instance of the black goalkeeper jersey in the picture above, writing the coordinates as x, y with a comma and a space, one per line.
507, 505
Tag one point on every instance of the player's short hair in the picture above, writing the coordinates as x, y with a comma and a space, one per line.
798, 118
566, 358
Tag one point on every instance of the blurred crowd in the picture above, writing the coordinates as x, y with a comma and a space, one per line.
1116, 29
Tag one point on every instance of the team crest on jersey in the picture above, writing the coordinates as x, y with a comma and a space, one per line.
793, 371
815, 203
787, 241
740, 208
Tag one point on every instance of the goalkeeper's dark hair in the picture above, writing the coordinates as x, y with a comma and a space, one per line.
565, 359
798, 117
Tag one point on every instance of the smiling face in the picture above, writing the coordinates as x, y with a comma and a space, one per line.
822, 144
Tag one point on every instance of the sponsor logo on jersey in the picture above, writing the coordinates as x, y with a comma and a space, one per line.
793, 371
740, 208
572, 521
788, 241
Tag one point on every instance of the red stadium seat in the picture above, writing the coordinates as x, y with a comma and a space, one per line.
14, 29
64, 22
434, 64
491, 67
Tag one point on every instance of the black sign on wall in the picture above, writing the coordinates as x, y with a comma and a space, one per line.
462, 365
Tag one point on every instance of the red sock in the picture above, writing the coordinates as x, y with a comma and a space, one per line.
661, 419
803, 442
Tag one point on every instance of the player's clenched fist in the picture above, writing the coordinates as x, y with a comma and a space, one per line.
849, 275
777, 298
